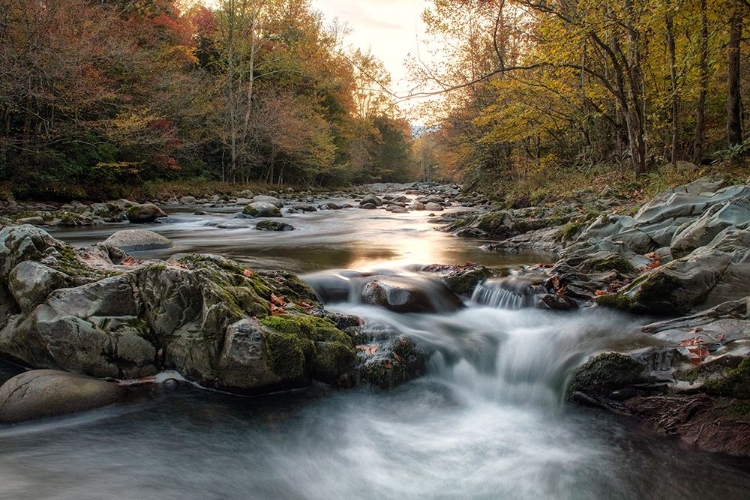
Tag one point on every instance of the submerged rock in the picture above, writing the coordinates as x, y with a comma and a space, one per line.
50, 393
268, 225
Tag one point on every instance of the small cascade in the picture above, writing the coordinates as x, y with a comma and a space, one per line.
512, 292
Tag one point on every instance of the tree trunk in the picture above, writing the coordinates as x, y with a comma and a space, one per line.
700, 113
673, 81
734, 100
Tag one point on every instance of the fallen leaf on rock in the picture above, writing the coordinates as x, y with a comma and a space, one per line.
692, 341
275, 310
247, 272
276, 300
304, 305
600, 293
699, 353
368, 349
721, 337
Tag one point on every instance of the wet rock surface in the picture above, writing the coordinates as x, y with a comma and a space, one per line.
50, 393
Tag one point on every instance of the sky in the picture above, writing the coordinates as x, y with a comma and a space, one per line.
390, 28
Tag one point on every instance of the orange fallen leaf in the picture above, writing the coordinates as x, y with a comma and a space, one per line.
305, 306
692, 341
275, 310
369, 349
600, 293
247, 272
276, 300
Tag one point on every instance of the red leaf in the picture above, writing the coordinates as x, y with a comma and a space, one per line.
275, 310
369, 349
276, 300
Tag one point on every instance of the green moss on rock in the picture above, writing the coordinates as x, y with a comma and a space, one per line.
614, 262
735, 383
332, 359
308, 327
289, 355
605, 373
619, 301
656, 292
463, 282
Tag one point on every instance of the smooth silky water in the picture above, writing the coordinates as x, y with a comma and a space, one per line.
487, 421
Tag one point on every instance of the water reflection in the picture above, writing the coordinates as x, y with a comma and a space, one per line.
350, 238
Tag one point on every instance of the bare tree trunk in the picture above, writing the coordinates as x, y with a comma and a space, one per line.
700, 117
734, 98
673, 81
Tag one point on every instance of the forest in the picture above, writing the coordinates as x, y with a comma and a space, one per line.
542, 89
97, 96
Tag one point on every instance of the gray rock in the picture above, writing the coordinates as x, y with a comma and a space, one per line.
371, 200
31, 282
49, 393
36, 220
717, 218
244, 359
434, 207
713, 274
261, 209
187, 200
268, 225
268, 199
133, 240
404, 295
145, 213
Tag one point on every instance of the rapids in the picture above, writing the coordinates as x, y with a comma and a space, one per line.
487, 421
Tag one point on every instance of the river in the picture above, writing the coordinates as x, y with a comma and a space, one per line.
486, 422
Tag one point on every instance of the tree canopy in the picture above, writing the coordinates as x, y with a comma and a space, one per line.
96, 94
539, 84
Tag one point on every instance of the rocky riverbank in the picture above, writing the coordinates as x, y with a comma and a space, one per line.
684, 255
216, 323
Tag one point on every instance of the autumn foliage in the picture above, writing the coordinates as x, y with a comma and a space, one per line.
96, 96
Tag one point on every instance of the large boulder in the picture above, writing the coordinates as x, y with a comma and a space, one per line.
271, 225
49, 393
212, 320
144, 213
715, 273
134, 240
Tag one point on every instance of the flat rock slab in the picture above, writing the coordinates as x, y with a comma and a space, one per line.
48, 393
134, 240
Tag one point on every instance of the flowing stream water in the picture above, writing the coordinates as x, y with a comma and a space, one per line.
487, 421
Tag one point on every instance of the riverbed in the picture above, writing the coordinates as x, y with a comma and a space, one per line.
486, 421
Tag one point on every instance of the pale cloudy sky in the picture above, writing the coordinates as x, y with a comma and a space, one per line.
390, 28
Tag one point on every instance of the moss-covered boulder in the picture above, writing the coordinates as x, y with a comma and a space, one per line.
209, 318
261, 209
144, 213
603, 374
